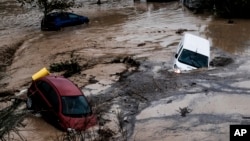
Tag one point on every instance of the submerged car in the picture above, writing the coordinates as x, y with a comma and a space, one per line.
60, 102
197, 4
57, 20
193, 3
193, 52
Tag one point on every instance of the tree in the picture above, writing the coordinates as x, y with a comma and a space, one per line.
233, 8
99, 2
49, 5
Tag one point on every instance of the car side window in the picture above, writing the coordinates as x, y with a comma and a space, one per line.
43, 87
53, 98
49, 93
73, 16
64, 16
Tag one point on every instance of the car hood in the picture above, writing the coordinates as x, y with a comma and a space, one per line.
78, 123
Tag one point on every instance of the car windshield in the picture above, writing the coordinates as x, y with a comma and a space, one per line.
193, 59
75, 106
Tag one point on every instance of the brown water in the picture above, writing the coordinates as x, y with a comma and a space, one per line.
9, 7
232, 38
116, 30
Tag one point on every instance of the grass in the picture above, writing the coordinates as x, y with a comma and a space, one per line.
10, 118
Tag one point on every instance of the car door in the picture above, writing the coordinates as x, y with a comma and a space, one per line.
74, 19
50, 101
42, 90
64, 19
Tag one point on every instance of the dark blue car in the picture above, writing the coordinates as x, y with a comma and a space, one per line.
57, 20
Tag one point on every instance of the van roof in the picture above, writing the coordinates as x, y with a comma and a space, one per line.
196, 44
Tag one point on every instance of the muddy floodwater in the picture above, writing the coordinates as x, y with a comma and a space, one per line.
126, 53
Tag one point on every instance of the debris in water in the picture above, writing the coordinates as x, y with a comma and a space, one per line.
127, 60
141, 44
184, 111
221, 61
180, 31
70, 67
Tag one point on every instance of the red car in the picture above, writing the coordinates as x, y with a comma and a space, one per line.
61, 102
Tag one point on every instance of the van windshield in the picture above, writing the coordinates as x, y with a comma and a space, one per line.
193, 59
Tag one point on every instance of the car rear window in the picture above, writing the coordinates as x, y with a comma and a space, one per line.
75, 106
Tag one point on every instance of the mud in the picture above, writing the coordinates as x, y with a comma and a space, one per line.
126, 56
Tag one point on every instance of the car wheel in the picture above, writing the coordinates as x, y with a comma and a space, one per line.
29, 103
43, 29
57, 28
87, 21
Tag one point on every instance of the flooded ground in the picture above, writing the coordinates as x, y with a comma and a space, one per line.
145, 100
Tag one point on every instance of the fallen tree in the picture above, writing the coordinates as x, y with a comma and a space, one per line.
10, 115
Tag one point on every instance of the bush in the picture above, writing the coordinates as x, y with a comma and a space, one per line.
70, 67
233, 8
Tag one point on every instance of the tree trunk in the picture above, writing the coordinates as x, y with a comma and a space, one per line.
44, 4
99, 2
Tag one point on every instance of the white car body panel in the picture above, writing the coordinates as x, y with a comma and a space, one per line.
195, 44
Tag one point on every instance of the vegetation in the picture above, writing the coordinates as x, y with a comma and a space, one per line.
10, 115
48, 6
233, 8
225, 8
69, 67
184, 111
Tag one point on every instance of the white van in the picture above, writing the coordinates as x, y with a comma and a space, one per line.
193, 52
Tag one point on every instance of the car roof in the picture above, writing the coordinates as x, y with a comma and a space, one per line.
196, 44
64, 86
58, 13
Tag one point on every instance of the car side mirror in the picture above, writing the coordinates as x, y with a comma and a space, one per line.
176, 55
